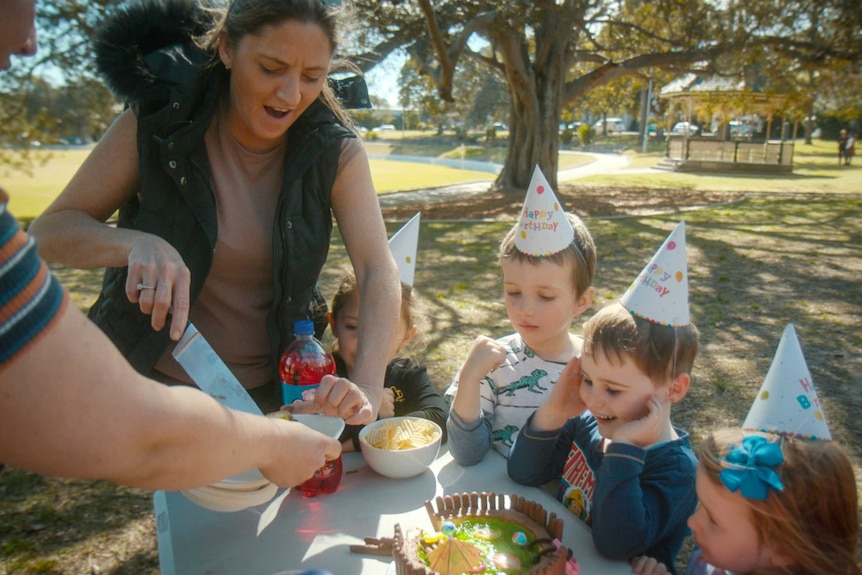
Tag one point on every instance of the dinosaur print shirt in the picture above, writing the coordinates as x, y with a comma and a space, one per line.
509, 395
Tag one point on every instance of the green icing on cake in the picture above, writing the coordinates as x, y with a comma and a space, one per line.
498, 541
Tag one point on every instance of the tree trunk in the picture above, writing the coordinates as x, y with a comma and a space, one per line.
536, 96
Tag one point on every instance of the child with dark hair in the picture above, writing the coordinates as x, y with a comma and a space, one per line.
407, 389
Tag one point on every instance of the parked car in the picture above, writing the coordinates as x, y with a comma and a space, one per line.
739, 128
615, 125
685, 128
573, 126
385, 128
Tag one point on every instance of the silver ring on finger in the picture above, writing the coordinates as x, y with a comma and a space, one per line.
143, 286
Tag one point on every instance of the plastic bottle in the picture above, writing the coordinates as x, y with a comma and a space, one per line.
304, 363
302, 366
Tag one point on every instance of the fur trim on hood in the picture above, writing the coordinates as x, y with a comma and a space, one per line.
136, 30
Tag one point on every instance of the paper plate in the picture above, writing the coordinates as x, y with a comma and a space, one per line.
241, 486
225, 500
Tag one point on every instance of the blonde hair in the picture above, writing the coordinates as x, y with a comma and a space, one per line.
580, 254
659, 351
814, 519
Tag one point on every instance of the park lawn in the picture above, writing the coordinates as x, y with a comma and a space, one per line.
754, 266
395, 176
31, 191
815, 170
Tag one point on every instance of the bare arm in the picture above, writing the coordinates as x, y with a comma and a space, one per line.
357, 210
72, 230
70, 405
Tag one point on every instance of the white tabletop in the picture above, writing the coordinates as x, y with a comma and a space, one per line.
316, 532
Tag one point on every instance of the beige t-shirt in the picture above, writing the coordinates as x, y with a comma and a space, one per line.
238, 293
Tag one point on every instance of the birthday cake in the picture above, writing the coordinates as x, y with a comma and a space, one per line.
485, 534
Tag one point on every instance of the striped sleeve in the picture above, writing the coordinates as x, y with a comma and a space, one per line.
30, 296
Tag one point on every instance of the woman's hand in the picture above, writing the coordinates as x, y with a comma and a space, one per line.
159, 282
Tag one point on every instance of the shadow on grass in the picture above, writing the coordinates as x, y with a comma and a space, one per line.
42, 517
754, 266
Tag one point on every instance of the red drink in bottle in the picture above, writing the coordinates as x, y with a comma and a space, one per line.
325, 480
302, 366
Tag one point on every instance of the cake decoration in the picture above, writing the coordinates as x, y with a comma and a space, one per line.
484, 533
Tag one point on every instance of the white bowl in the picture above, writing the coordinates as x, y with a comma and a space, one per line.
325, 424
399, 463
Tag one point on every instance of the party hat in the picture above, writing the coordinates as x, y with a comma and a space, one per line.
543, 229
660, 292
787, 403
403, 245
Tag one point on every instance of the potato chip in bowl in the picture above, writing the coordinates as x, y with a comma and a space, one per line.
400, 446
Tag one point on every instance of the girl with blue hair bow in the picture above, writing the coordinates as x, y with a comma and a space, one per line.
771, 504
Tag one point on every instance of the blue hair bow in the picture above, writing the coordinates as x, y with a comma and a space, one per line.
751, 465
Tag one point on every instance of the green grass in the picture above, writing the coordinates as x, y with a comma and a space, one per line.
755, 265
391, 176
31, 191
815, 170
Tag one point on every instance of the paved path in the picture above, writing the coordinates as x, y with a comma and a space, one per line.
601, 164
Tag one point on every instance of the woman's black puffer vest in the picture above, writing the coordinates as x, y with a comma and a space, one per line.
148, 59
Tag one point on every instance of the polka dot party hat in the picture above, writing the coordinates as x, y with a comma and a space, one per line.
660, 292
787, 403
403, 245
543, 229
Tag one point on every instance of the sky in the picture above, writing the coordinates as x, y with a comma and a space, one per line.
382, 80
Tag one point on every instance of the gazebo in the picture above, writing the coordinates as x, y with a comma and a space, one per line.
723, 98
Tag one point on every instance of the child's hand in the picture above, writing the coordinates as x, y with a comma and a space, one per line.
564, 402
647, 430
387, 404
644, 565
485, 355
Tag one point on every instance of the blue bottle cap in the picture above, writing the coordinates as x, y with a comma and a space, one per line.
303, 327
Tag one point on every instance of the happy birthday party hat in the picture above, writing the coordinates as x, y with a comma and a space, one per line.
787, 403
543, 229
660, 292
403, 245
